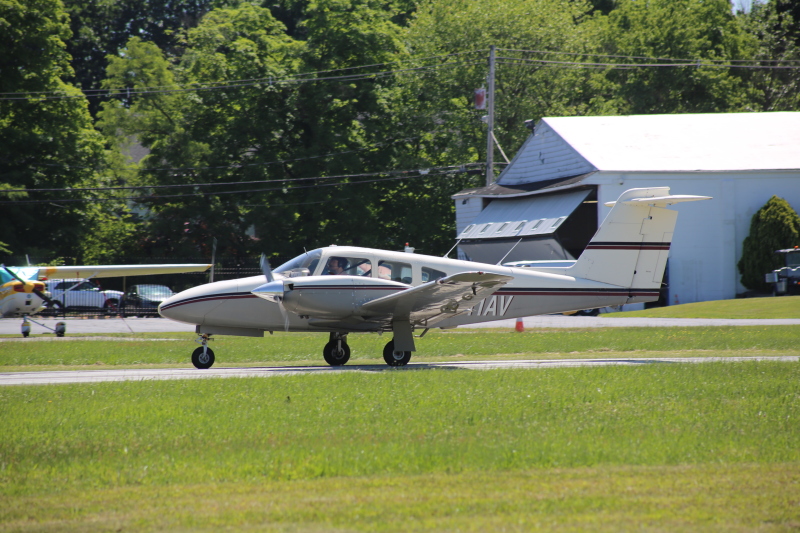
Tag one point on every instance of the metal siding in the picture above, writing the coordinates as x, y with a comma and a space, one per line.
466, 213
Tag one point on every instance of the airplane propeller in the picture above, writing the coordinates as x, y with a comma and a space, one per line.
34, 290
274, 290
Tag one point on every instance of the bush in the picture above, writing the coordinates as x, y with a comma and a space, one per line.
773, 227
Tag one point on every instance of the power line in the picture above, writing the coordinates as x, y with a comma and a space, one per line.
236, 166
405, 174
690, 61
210, 184
234, 84
627, 66
268, 79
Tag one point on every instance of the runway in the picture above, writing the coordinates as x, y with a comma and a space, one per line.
97, 376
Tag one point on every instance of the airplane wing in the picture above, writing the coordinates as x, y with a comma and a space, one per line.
441, 298
109, 271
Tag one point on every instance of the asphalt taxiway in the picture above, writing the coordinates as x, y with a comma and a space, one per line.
96, 376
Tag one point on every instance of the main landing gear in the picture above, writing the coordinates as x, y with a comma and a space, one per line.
337, 351
203, 357
25, 329
395, 357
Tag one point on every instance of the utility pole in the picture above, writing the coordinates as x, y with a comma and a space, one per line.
490, 121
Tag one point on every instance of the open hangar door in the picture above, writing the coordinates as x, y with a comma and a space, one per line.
555, 226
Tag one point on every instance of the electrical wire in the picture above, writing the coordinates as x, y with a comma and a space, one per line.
407, 174
697, 64
128, 92
690, 61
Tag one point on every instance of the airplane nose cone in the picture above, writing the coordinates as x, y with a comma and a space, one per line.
272, 291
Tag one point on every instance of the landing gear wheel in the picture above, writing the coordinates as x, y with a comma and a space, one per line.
395, 357
203, 360
334, 355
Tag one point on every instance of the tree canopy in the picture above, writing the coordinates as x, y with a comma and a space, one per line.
298, 123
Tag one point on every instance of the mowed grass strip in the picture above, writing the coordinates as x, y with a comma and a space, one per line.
306, 348
783, 307
411, 450
741, 497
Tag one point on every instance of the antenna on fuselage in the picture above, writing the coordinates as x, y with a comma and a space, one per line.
511, 250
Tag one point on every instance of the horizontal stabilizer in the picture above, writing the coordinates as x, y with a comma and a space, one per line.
661, 201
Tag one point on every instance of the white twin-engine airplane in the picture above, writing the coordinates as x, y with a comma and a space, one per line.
344, 289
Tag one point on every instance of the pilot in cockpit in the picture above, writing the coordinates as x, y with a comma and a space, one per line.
336, 266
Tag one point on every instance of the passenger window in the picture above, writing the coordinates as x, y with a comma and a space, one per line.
429, 274
395, 271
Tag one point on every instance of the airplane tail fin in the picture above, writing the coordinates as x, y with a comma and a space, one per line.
631, 246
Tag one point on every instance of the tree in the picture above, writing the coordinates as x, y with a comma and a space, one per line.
698, 32
773, 227
101, 28
456, 34
218, 135
45, 130
776, 26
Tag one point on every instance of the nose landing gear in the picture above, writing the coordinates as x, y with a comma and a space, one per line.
203, 357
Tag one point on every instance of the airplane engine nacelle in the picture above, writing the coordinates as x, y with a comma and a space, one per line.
327, 296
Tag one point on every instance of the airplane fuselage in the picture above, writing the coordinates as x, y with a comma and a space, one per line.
333, 301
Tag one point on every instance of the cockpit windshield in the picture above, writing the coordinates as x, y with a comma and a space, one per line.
308, 260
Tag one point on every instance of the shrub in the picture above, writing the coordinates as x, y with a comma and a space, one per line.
773, 227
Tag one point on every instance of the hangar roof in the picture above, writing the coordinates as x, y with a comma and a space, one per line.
568, 146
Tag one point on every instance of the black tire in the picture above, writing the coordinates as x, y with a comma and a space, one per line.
393, 357
203, 361
335, 357
111, 307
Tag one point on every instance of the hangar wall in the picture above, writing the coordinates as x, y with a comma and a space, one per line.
708, 237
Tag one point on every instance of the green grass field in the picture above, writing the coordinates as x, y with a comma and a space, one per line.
667, 446
782, 307
712, 446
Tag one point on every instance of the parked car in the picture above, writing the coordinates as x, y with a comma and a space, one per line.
144, 299
80, 295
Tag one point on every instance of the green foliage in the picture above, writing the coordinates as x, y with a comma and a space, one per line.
697, 30
773, 227
776, 26
440, 101
47, 142
103, 27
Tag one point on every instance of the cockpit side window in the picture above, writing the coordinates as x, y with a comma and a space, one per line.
429, 274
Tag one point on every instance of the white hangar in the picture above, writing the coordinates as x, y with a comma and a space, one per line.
550, 198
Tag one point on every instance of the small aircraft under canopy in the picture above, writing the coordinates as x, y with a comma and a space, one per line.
343, 289
22, 289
